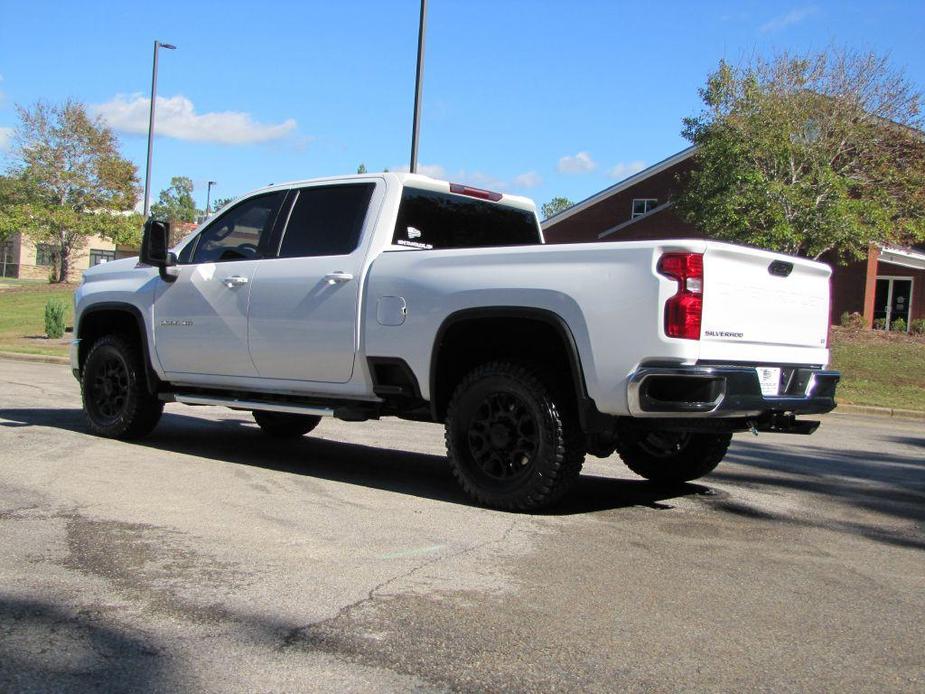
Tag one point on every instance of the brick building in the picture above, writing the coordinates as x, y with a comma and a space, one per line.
888, 285
21, 258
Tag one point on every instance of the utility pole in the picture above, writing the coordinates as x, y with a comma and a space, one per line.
157, 44
418, 79
208, 195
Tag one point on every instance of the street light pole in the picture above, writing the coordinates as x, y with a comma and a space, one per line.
208, 195
419, 75
157, 44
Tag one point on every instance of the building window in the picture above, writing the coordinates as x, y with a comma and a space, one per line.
8, 266
45, 254
642, 206
97, 256
892, 302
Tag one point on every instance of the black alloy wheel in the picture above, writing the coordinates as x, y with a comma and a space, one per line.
109, 388
664, 444
504, 437
116, 399
283, 425
513, 440
672, 457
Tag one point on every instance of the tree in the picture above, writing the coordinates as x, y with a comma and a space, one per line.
361, 169
13, 191
809, 155
175, 203
219, 203
70, 182
555, 206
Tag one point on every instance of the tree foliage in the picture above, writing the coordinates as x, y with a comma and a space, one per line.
808, 155
219, 203
361, 169
175, 203
67, 182
14, 190
555, 206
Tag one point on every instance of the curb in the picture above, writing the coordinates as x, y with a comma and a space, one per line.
879, 411
39, 358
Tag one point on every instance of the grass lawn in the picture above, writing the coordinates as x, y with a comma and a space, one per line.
22, 316
879, 368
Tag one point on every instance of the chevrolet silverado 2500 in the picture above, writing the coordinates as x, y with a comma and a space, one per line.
399, 295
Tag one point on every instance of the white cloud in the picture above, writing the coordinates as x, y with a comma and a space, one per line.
792, 17
625, 169
176, 117
530, 179
478, 179
6, 138
577, 164
432, 170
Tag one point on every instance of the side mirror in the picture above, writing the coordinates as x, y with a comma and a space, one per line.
155, 243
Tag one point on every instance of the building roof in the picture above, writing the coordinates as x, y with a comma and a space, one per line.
621, 186
904, 257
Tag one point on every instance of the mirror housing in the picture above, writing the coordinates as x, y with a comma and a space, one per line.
155, 245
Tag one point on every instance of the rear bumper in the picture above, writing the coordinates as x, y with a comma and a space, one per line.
727, 391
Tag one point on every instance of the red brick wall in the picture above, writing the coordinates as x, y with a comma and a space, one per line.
847, 288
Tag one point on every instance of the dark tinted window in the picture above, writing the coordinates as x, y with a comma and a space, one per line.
326, 220
236, 234
442, 220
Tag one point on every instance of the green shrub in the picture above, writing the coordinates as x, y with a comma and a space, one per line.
917, 326
880, 324
55, 310
898, 325
853, 321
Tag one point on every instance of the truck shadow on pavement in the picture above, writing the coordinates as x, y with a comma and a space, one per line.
889, 485
46, 647
240, 442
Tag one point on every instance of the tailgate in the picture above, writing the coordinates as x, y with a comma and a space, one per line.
767, 304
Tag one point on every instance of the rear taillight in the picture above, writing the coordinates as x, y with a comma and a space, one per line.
683, 310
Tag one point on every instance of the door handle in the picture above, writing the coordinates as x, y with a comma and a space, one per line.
234, 281
338, 277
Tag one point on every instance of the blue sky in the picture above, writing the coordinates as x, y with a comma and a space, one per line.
539, 98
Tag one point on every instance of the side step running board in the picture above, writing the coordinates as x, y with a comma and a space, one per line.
239, 404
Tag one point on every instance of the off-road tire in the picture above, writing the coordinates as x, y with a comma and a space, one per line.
114, 389
285, 425
672, 458
546, 431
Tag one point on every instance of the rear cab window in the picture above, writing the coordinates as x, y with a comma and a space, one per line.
429, 220
326, 220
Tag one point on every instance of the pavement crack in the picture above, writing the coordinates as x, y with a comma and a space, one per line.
442, 557
294, 636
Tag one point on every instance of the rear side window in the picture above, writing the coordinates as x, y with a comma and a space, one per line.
427, 219
326, 220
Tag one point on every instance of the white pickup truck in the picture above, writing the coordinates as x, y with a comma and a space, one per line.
393, 294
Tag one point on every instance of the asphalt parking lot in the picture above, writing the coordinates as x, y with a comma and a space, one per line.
211, 558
